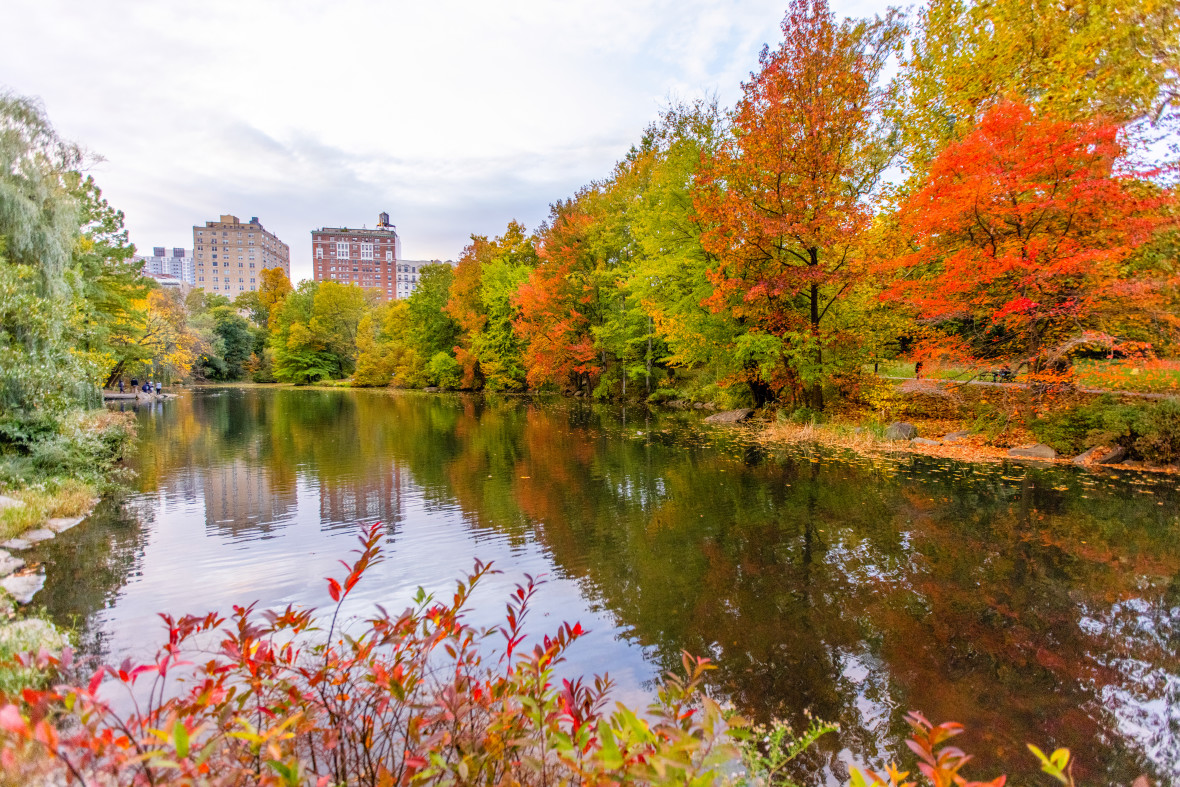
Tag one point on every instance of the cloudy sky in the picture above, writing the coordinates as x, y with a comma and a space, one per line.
453, 116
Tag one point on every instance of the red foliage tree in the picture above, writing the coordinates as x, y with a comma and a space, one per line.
1021, 233
555, 302
786, 199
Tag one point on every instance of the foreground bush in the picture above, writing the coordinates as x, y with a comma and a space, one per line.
414, 698
1149, 430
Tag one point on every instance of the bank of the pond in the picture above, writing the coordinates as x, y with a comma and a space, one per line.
946, 440
51, 478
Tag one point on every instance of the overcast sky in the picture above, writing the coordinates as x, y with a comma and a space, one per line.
454, 117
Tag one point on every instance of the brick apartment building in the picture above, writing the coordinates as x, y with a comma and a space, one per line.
229, 255
368, 258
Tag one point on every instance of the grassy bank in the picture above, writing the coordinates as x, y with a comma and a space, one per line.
983, 423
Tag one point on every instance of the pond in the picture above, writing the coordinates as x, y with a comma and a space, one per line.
1033, 604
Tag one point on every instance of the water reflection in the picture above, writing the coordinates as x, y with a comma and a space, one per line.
1031, 604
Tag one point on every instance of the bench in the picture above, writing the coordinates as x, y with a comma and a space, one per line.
1001, 375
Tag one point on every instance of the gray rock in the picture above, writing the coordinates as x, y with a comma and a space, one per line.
62, 524
1089, 455
900, 430
9, 564
16, 543
924, 441
10, 502
40, 534
730, 417
1113, 456
955, 437
22, 587
431, 389
698, 406
1038, 451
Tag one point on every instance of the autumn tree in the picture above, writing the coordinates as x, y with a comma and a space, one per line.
1021, 233
557, 303
273, 287
481, 301
786, 199
1116, 58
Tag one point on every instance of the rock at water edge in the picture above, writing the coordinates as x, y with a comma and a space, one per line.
955, 437
18, 544
924, 441
1038, 451
22, 587
9, 564
729, 417
40, 534
900, 430
62, 524
1113, 456
1089, 455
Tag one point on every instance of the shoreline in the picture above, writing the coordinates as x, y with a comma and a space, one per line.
972, 448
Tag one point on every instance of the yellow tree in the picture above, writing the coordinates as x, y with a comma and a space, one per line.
1119, 59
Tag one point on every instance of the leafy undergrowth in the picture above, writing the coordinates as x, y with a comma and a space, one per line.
416, 698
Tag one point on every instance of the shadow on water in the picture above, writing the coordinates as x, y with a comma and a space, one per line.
1032, 604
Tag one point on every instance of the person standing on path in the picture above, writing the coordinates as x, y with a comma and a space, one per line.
158, 387
120, 385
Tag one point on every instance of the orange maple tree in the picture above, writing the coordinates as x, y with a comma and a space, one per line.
555, 301
1020, 235
786, 199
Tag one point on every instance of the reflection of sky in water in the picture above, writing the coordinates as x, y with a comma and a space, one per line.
190, 567
1000, 596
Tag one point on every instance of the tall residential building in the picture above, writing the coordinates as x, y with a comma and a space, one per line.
230, 255
178, 264
365, 257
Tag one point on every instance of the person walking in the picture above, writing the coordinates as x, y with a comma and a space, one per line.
120, 385
158, 387
134, 383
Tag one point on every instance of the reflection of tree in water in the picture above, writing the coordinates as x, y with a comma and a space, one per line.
1022, 602
853, 588
87, 567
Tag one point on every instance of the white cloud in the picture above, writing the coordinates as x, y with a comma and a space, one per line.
453, 116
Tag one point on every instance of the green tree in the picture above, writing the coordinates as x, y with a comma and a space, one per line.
336, 312
300, 356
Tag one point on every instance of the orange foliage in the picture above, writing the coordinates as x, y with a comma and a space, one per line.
1020, 230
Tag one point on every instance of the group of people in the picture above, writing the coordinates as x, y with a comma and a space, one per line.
147, 387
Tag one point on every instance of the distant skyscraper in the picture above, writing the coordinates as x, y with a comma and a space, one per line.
230, 255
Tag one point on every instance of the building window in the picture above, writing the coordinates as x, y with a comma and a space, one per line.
319, 252
388, 256
366, 251
341, 250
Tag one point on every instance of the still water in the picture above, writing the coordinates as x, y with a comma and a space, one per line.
1031, 604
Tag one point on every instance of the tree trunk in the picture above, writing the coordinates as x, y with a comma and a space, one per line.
816, 394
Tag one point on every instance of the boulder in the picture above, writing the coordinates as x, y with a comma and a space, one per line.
40, 534
924, 441
1089, 455
1038, 451
955, 437
9, 564
1113, 456
16, 543
62, 524
729, 417
10, 502
22, 587
431, 389
900, 430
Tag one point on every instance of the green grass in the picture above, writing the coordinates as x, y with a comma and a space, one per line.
1116, 375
